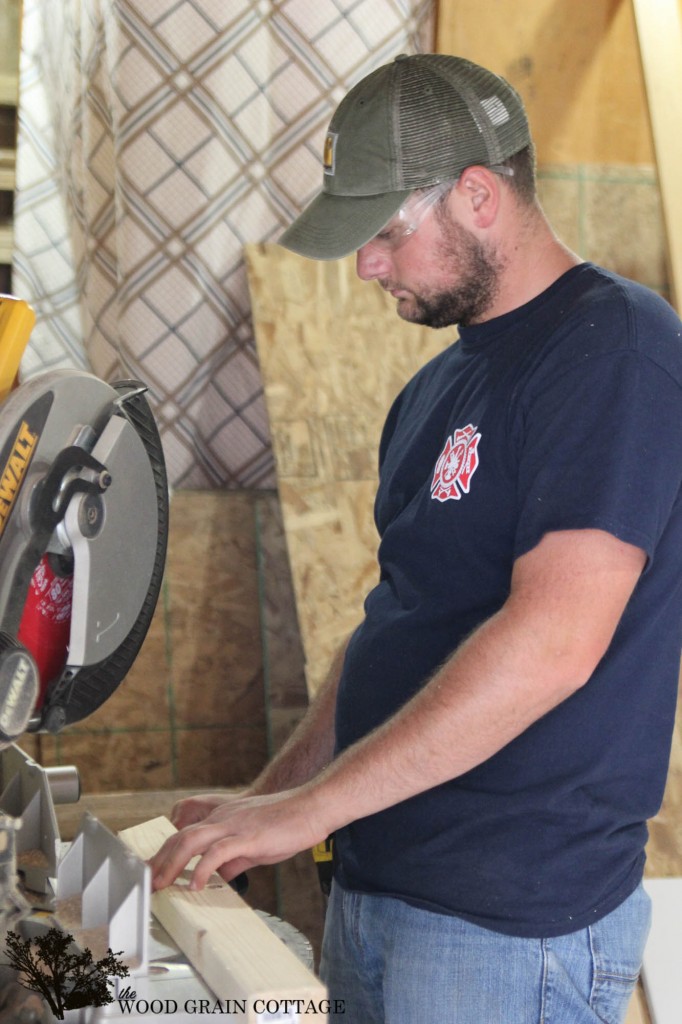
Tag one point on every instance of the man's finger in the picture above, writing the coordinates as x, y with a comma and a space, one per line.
224, 858
178, 850
186, 812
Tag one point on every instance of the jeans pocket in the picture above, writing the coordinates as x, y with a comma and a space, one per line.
617, 943
611, 996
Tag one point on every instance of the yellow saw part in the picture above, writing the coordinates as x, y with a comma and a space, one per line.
16, 323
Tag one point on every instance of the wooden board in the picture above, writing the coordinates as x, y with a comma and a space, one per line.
7, 169
333, 356
6, 242
9, 88
659, 29
575, 62
637, 1010
234, 951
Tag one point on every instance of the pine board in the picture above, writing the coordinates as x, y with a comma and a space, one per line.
233, 950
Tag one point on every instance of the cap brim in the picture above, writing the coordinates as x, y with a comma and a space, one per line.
332, 227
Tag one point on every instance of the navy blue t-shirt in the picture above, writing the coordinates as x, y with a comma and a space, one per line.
563, 414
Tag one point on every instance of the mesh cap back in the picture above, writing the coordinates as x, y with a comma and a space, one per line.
420, 120
414, 122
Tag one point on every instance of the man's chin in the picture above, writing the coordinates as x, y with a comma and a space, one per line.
408, 309
413, 313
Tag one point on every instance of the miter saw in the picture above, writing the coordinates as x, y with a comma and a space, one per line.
83, 513
83, 536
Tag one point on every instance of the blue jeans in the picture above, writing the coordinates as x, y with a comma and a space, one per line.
390, 963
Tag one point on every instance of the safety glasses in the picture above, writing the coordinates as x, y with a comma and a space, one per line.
411, 214
405, 222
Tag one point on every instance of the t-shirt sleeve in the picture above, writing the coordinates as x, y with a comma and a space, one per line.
600, 446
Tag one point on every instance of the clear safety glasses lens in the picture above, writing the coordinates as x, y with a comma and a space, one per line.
408, 218
411, 214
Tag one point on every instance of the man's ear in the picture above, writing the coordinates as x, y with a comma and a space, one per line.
479, 191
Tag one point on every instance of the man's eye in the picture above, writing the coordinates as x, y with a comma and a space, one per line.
388, 233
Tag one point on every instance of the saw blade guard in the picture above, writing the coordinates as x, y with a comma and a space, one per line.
83, 506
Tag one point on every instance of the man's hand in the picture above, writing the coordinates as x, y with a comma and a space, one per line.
238, 834
194, 809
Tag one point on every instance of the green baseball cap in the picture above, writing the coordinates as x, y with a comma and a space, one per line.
418, 121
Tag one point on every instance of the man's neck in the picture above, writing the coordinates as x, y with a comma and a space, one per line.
533, 260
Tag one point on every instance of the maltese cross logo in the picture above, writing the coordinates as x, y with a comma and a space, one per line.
456, 465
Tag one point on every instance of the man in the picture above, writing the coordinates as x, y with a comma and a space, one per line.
495, 734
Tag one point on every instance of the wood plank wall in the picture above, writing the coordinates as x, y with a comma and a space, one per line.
575, 62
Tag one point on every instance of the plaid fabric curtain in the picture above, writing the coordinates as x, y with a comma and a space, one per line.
156, 138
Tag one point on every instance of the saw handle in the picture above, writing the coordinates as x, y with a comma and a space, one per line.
16, 323
18, 688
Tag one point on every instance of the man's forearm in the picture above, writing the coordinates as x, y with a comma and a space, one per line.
485, 696
538, 649
310, 747
469, 709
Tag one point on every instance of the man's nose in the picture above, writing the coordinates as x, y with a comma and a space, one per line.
371, 262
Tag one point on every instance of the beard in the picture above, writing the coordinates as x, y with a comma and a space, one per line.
478, 269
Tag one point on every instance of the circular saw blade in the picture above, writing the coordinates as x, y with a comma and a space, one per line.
82, 467
81, 690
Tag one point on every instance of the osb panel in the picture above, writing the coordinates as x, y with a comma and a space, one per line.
599, 209
576, 64
616, 211
111, 760
333, 356
215, 643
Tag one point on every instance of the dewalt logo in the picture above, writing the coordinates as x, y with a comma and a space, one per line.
15, 470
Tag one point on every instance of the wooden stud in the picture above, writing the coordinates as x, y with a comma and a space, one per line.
234, 951
637, 1010
659, 28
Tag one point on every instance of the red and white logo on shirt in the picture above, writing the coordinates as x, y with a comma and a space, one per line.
456, 465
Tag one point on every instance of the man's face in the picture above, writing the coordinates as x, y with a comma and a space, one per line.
440, 274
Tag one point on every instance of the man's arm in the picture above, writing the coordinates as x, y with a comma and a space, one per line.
306, 752
566, 600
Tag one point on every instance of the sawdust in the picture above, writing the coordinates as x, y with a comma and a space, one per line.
32, 859
69, 912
